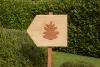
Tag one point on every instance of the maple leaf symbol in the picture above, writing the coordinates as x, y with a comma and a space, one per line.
50, 33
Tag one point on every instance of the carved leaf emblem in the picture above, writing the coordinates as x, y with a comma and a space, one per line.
50, 31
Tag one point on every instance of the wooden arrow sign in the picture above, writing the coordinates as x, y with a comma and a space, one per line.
49, 30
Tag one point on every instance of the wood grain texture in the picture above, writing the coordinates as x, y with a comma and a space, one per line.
49, 57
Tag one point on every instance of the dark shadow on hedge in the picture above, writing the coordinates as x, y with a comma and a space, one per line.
37, 56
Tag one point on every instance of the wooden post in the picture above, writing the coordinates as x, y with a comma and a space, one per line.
50, 51
49, 57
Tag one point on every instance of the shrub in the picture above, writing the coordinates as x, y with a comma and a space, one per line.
83, 21
17, 50
77, 64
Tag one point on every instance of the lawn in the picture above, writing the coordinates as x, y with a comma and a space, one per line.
60, 57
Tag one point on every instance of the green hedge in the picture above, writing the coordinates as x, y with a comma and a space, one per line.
17, 50
83, 21
77, 64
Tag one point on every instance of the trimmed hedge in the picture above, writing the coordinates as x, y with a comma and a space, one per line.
83, 21
77, 64
17, 50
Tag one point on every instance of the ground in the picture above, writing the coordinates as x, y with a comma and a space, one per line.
60, 57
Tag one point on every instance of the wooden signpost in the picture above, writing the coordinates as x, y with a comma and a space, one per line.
49, 48
49, 31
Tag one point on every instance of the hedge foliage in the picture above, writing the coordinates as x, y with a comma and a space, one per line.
77, 64
17, 50
83, 21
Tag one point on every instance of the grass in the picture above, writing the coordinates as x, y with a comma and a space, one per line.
60, 57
